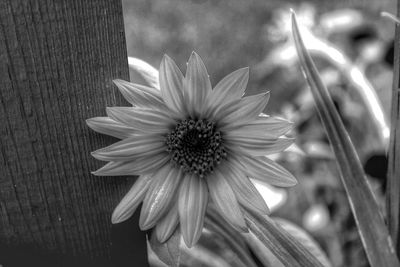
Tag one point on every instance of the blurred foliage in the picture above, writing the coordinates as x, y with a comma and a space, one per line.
230, 34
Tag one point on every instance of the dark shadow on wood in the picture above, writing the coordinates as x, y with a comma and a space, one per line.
125, 249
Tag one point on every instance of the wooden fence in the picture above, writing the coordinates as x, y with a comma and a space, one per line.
57, 62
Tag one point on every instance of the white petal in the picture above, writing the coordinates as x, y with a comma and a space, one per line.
247, 109
148, 72
192, 204
131, 200
257, 145
140, 95
225, 201
245, 191
262, 126
171, 82
196, 86
108, 126
142, 165
230, 88
141, 119
264, 169
167, 225
132, 148
159, 196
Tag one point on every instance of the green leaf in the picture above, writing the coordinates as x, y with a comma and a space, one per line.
170, 251
267, 257
393, 178
289, 250
199, 255
216, 246
216, 224
371, 226
305, 239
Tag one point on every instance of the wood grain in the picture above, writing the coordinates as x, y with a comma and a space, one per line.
57, 62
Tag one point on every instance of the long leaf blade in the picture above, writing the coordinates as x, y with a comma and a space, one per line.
268, 258
371, 226
393, 177
288, 250
215, 223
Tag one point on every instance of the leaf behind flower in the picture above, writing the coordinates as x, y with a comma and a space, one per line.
170, 251
370, 223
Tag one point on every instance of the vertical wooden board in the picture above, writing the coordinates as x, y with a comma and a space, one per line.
57, 62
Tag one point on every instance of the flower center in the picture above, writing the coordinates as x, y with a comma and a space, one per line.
196, 146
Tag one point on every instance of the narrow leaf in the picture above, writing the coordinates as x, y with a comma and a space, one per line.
371, 226
267, 257
215, 223
393, 178
205, 257
263, 254
305, 239
289, 250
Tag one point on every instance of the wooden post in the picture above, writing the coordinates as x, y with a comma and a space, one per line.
57, 62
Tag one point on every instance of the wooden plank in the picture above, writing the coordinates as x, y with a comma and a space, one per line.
57, 62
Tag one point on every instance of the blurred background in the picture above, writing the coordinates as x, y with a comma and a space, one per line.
352, 45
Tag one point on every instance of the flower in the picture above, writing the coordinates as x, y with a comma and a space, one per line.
191, 144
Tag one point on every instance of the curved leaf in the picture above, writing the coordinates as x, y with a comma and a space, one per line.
289, 250
372, 228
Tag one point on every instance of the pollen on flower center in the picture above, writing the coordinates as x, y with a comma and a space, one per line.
196, 146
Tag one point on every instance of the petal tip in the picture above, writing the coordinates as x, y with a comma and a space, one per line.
190, 242
244, 71
99, 172
117, 217
163, 60
294, 182
98, 154
195, 56
162, 237
116, 81
145, 226
146, 222
290, 180
114, 220
166, 57
89, 121
120, 83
